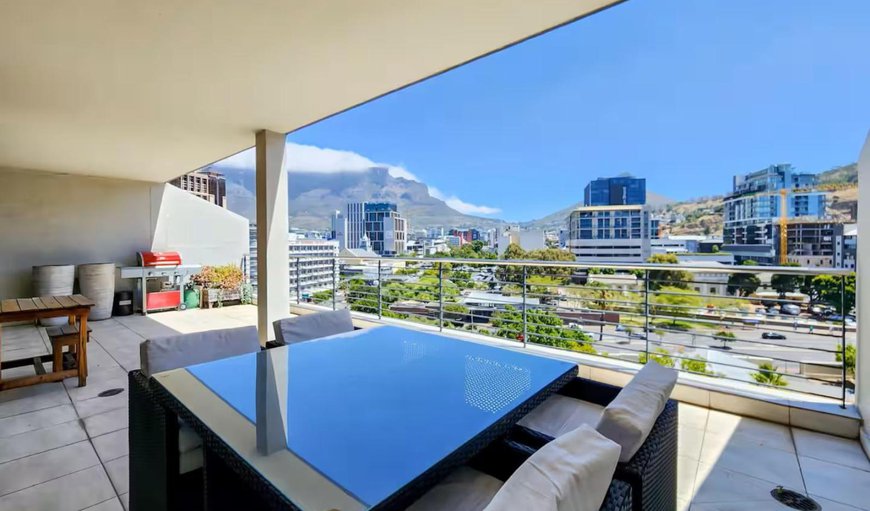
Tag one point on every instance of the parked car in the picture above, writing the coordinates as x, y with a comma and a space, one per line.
637, 335
620, 328
773, 335
790, 309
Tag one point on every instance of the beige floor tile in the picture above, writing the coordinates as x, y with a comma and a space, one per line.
38, 419
763, 433
112, 445
830, 505
689, 442
687, 469
830, 448
113, 504
71, 492
747, 457
38, 468
119, 473
836, 482
40, 440
693, 416
125, 500
106, 422
32, 398
747, 505
96, 405
719, 485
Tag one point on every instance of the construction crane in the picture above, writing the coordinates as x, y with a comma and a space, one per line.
783, 227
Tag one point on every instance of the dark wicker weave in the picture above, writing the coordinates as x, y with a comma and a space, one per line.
502, 458
153, 437
652, 472
224, 469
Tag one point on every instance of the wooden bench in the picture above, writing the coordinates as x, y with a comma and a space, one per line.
64, 336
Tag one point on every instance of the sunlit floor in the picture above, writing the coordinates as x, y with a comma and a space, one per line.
63, 447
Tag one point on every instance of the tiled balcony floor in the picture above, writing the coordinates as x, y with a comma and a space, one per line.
62, 447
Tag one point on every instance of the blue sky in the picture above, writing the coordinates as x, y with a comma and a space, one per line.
684, 93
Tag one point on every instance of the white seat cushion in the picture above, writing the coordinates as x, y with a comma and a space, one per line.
562, 414
630, 417
189, 448
571, 473
465, 489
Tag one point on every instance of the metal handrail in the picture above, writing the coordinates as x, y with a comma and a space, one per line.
635, 305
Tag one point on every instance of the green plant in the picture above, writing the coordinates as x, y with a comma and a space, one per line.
725, 337
667, 278
696, 364
744, 284
850, 357
247, 294
228, 276
660, 356
768, 375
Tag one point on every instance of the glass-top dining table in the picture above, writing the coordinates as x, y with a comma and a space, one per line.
371, 418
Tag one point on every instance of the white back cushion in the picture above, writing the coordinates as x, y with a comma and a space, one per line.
312, 326
174, 351
465, 489
571, 473
629, 418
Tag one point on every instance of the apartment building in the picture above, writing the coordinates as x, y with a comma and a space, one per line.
753, 210
205, 184
310, 263
375, 225
610, 233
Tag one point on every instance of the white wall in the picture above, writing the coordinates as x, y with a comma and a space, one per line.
59, 219
863, 293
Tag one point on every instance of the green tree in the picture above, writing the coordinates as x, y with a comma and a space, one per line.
744, 284
768, 375
322, 296
725, 337
828, 287
783, 283
714, 249
696, 364
670, 278
850, 357
674, 302
543, 327
660, 356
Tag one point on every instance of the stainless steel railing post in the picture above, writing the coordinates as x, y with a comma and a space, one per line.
525, 315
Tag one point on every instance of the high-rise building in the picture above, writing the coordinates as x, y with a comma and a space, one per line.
377, 225
467, 235
312, 258
615, 191
753, 210
311, 265
205, 184
610, 233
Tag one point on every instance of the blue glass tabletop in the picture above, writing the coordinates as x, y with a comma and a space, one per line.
374, 409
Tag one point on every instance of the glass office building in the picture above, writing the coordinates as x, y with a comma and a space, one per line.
615, 191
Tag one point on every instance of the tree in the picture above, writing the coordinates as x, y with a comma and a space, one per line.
672, 278
744, 284
660, 356
768, 375
850, 357
725, 337
696, 364
714, 249
674, 302
543, 327
828, 287
783, 283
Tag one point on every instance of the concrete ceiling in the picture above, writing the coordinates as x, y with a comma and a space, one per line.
150, 90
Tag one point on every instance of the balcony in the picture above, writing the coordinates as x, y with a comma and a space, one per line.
45, 426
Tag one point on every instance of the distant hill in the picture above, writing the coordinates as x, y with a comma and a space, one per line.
314, 196
846, 174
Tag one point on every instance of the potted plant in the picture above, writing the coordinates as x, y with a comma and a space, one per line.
219, 284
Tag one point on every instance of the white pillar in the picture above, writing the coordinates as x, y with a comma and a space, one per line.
862, 369
273, 273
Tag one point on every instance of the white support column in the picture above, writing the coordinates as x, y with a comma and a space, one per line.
273, 272
862, 291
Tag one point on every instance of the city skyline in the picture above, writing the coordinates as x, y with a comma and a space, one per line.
702, 92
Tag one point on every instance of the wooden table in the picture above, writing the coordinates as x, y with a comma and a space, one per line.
75, 307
